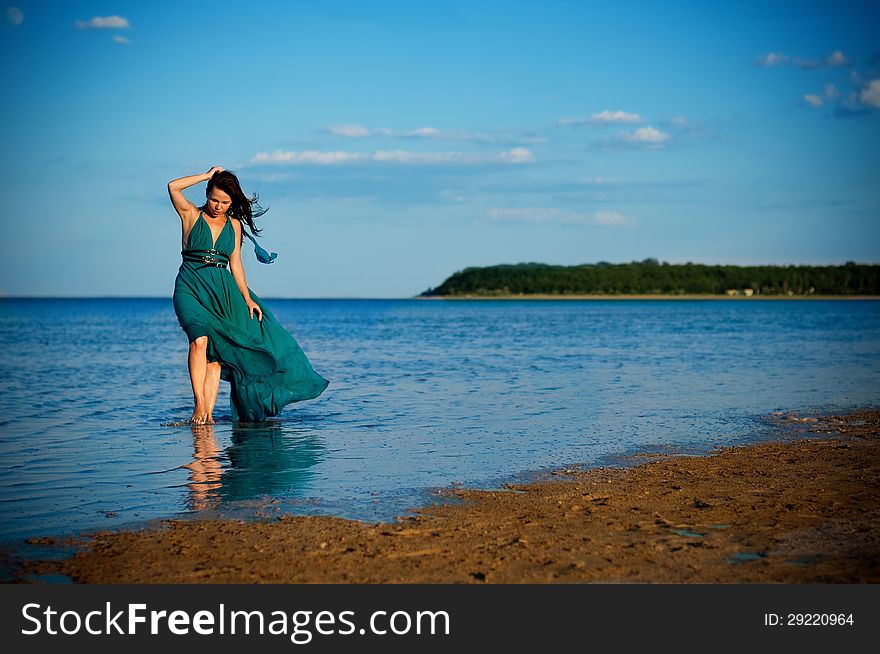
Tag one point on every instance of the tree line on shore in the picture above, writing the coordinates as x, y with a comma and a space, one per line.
653, 277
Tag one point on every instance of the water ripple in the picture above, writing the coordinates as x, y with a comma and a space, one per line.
422, 395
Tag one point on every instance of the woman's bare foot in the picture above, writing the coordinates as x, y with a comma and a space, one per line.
200, 417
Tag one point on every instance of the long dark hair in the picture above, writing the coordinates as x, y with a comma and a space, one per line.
242, 207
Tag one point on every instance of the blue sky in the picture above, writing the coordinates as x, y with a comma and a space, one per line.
399, 142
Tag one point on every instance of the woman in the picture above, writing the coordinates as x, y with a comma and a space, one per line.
232, 335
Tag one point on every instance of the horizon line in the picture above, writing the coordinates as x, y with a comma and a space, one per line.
169, 298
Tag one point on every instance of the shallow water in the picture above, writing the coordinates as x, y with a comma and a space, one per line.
423, 394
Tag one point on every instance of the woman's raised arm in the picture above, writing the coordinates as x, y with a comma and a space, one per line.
176, 186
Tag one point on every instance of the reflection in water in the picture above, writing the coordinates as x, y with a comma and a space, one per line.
262, 460
205, 469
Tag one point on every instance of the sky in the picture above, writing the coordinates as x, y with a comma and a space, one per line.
396, 143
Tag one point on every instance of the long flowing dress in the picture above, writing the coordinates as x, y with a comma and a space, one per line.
264, 365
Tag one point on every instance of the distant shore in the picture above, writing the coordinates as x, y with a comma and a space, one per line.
735, 298
804, 510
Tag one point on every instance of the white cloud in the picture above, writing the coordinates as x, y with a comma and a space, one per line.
312, 157
514, 156
118, 38
870, 95
517, 155
605, 117
645, 135
836, 58
307, 157
352, 131
829, 92
608, 218
425, 132
615, 117
103, 22
14, 16
432, 133
773, 59
273, 177
833, 60
452, 195
495, 137
550, 215
407, 157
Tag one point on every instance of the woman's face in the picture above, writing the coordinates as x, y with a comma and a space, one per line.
218, 202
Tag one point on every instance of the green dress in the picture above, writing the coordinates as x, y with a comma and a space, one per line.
264, 365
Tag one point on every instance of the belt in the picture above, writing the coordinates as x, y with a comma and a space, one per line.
206, 257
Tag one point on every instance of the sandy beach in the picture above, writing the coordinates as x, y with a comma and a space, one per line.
804, 510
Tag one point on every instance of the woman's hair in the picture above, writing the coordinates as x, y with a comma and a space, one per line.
242, 207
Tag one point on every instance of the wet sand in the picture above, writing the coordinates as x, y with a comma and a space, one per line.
805, 510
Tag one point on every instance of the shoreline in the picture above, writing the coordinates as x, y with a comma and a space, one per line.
645, 296
799, 510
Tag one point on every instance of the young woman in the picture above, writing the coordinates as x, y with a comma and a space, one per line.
232, 335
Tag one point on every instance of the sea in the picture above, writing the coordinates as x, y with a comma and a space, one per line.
424, 396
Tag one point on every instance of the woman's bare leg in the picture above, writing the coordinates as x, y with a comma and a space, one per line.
212, 385
198, 364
